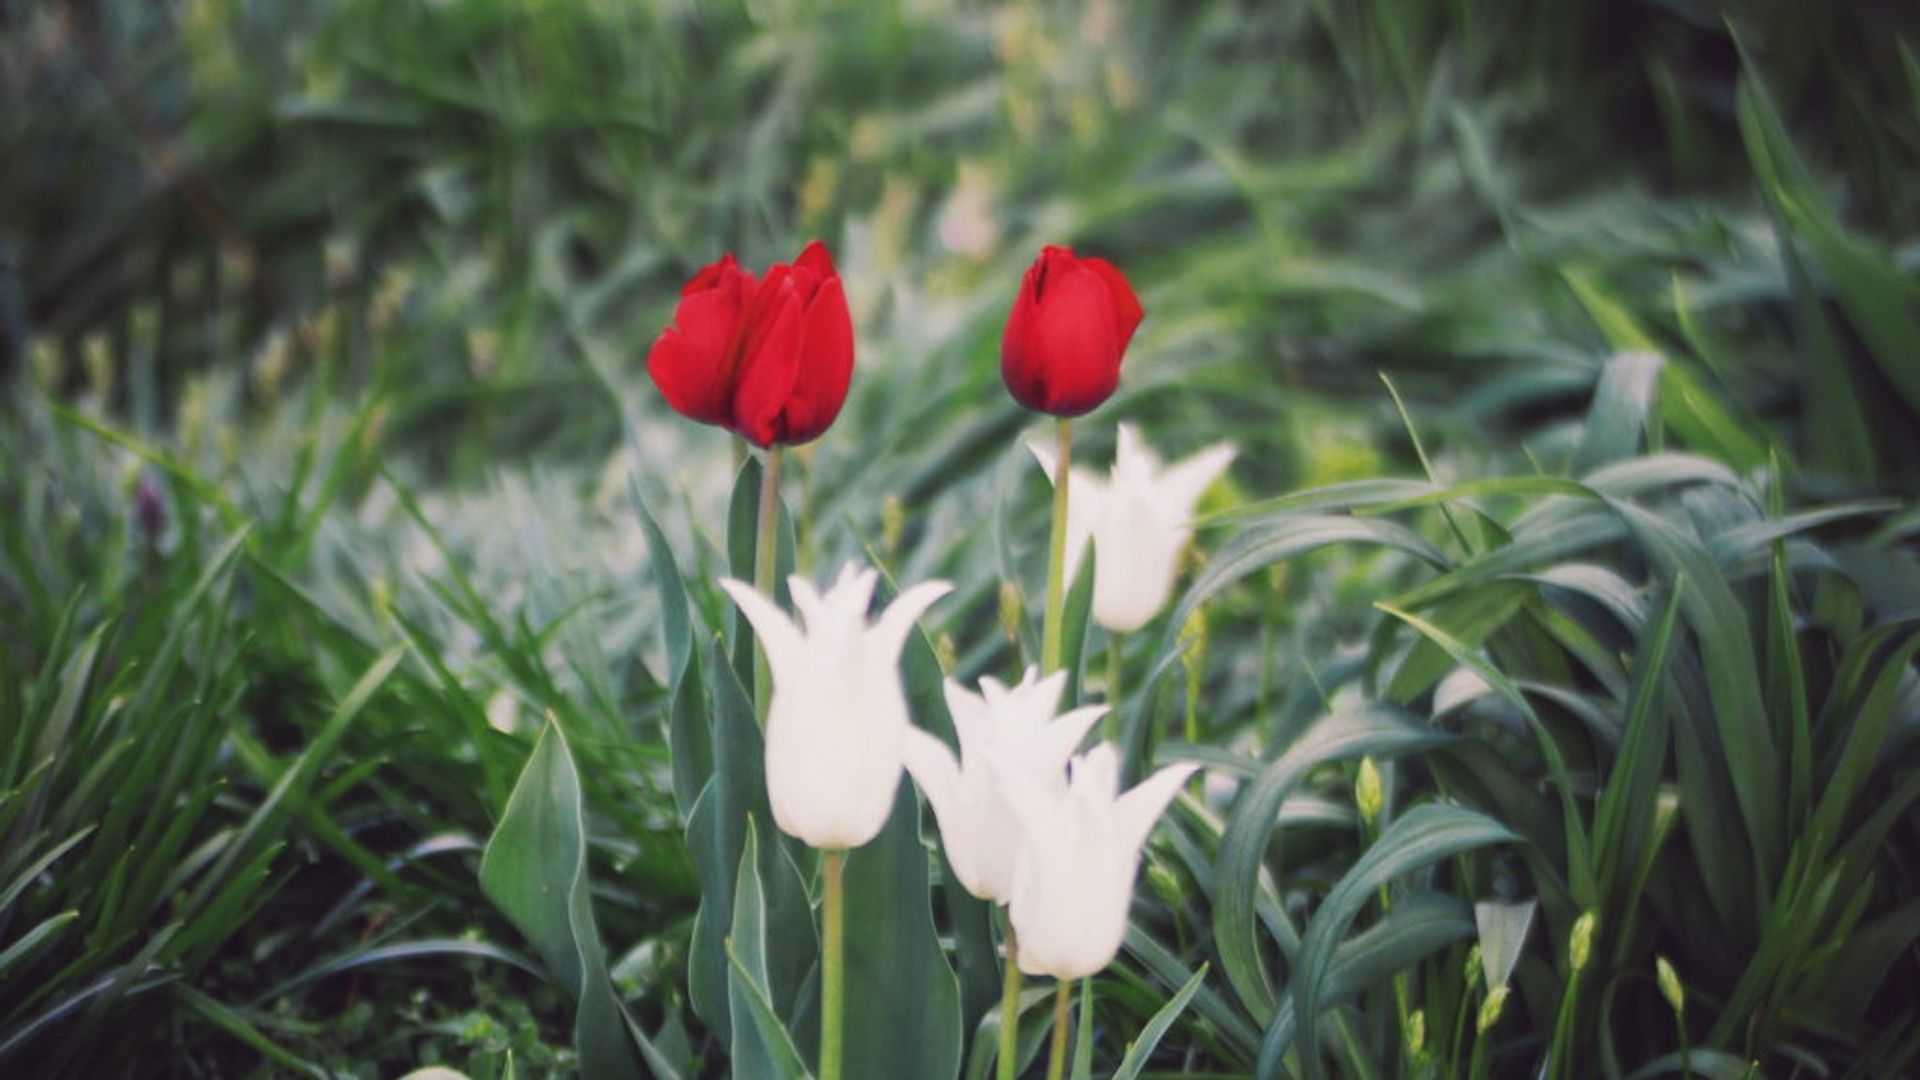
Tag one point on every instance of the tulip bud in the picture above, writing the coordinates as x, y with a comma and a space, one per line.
1416, 1032
1490, 1009
1670, 987
1067, 333
1580, 942
1368, 794
1165, 884
769, 360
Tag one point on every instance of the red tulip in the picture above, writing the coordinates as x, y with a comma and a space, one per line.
1067, 333
770, 361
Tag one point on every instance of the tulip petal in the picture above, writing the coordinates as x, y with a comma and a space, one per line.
1127, 311
1181, 486
1063, 736
891, 629
1137, 810
769, 361
777, 633
933, 767
824, 367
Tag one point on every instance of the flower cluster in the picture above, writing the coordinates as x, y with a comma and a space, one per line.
1027, 820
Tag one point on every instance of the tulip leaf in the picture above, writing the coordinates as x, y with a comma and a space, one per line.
743, 516
535, 870
903, 1001
1075, 618
969, 918
1422, 836
716, 835
1418, 925
689, 739
1141, 1048
1274, 540
676, 620
1083, 1035
1375, 728
761, 1044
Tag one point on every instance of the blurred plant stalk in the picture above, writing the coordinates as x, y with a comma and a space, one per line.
765, 546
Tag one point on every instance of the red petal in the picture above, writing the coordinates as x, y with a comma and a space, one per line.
687, 379
1126, 306
769, 362
816, 259
1019, 366
688, 360
825, 366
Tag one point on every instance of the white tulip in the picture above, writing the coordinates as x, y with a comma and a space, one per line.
1073, 878
1003, 732
839, 713
1138, 520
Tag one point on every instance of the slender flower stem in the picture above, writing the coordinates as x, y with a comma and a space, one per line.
1010, 1009
1050, 628
766, 534
1112, 721
1062, 1013
833, 968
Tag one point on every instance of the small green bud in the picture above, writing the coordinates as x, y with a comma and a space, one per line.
1368, 794
1580, 942
1416, 1033
1473, 967
947, 653
1010, 613
1165, 884
1670, 987
893, 523
1490, 1009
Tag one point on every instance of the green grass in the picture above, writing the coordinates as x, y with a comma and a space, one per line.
325, 426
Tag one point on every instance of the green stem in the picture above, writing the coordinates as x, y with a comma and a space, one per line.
1010, 1009
1686, 1054
1062, 1013
1112, 720
1050, 628
833, 973
766, 533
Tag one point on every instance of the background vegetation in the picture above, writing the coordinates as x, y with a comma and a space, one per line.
322, 326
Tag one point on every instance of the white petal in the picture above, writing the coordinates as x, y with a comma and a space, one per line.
777, 633
1062, 736
1179, 490
1137, 810
891, 629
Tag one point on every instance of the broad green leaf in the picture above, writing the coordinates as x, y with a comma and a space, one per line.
676, 621
535, 870
716, 834
761, 1044
903, 1001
